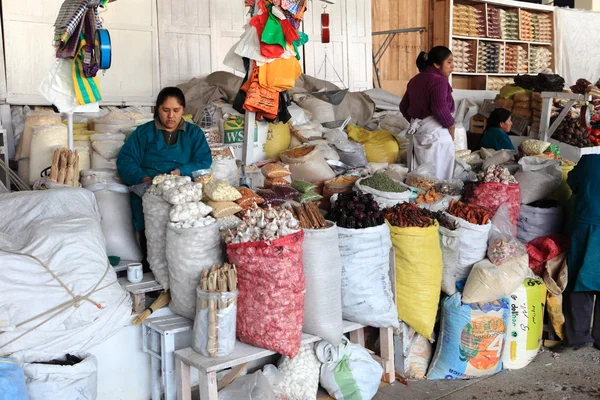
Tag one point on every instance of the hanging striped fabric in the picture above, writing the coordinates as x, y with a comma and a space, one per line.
87, 90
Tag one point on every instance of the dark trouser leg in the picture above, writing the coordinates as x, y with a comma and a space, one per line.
144, 249
578, 309
596, 328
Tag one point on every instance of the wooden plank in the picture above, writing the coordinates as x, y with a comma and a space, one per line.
148, 284
230, 377
182, 377
138, 302
207, 383
386, 340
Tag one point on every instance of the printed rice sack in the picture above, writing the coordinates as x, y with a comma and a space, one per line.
471, 341
525, 324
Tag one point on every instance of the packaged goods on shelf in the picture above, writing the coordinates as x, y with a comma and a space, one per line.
540, 59
468, 21
489, 57
464, 60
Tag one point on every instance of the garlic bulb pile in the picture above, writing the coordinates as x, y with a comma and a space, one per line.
198, 223
259, 224
161, 183
189, 211
186, 193
497, 174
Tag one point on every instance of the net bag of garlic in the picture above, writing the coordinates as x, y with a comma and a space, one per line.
267, 250
189, 251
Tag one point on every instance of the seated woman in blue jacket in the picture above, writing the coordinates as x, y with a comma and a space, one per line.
498, 125
167, 145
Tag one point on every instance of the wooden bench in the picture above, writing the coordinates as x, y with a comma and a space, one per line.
245, 353
138, 291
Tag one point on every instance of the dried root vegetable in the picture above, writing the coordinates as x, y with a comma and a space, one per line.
406, 215
469, 212
55, 163
309, 216
430, 197
443, 220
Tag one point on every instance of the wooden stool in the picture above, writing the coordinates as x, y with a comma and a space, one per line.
138, 291
245, 353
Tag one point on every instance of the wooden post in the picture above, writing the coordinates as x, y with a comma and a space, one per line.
184, 385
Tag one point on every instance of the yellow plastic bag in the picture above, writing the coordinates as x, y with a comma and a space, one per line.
280, 74
418, 276
563, 192
509, 91
278, 139
380, 146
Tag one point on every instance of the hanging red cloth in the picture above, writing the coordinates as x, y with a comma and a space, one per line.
259, 22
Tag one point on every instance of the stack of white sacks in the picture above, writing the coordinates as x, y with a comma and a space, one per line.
106, 147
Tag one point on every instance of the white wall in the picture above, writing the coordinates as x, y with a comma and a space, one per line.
166, 42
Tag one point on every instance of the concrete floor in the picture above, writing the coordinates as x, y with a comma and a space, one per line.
569, 375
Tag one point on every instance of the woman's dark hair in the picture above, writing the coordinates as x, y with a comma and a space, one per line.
498, 116
165, 94
437, 55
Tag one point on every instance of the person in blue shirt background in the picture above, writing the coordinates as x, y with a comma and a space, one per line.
498, 125
167, 145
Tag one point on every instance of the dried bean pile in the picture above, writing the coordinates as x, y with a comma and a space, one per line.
469, 212
405, 215
356, 210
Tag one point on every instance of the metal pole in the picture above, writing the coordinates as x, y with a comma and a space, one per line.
70, 130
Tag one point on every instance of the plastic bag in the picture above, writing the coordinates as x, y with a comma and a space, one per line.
310, 167
422, 178
526, 324
271, 300
214, 323
323, 300
471, 341
418, 276
351, 153
108, 148
366, 288
300, 375
309, 197
543, 249
413, 353
12, 380
270, 183
248, 387
274, 170
286, 192
488, 282
380, 146
502, 242
538, 178
249, 197
217, 190
348, 372
270, 197
222, 209
303, 186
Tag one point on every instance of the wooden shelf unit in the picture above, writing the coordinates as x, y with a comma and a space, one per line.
443, 35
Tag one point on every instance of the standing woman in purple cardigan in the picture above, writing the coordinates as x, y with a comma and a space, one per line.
429, 106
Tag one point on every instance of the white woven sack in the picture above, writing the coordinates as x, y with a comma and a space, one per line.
367, 296
156, 219
114, 204
535, 222
46, 381
189, 252
473, 246
450, 244
384, 199
323, 275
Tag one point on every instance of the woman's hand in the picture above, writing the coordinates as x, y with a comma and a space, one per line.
451, 130
176, 172
147, 179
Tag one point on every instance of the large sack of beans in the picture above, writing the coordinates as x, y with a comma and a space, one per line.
271, 293
492, 195
323, 274
471, 341
156, 218
367, 296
